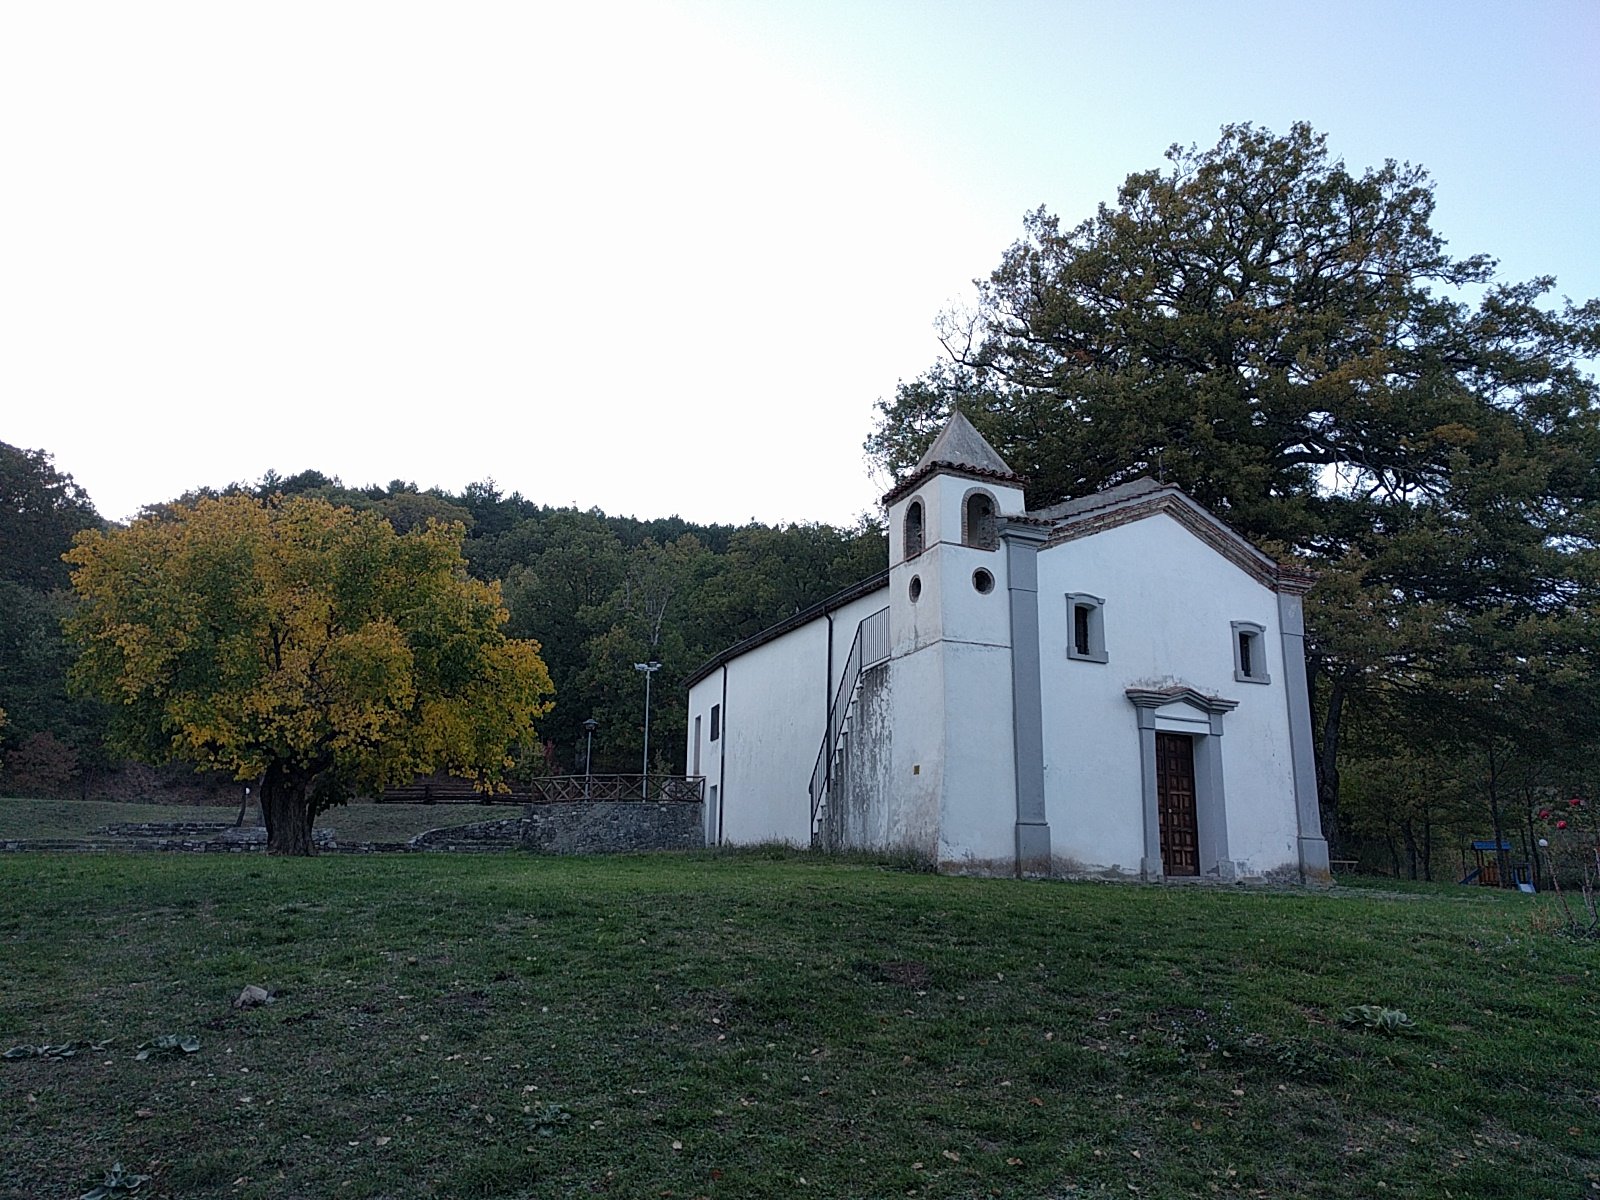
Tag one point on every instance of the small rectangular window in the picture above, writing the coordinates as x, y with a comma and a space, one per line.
716, 721
1249, 653
1086, 639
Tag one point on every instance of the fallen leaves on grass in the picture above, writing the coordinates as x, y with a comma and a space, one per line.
59, 1050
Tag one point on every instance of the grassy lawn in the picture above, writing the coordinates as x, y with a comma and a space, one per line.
756, 1025
354, 822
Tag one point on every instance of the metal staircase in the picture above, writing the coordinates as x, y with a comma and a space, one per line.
869, 647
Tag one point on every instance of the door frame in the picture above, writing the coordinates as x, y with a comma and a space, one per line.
1182, 710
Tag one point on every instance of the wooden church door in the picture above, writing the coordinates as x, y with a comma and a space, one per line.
1180, 836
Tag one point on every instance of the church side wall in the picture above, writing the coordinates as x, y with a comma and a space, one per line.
770, 727
1169, 606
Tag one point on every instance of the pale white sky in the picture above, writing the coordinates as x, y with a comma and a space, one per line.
656, 257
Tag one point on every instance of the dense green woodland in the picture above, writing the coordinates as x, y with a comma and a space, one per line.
598, 593
1286, 338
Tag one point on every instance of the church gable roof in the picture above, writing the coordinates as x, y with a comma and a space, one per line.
1111, 496
1146, 497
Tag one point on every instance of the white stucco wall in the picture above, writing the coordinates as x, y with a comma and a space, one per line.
942, 498
978, 822
772, 725
864, 810
1169, 603
939, 777
953, 759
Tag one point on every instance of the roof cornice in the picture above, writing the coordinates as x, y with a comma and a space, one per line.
960, 470
1291, 577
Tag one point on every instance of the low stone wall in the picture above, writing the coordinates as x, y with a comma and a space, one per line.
580, 827
613, 827
479, 837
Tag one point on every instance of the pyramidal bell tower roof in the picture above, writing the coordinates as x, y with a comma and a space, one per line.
961, 449
961, 445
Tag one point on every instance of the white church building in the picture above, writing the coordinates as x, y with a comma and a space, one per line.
1111, 687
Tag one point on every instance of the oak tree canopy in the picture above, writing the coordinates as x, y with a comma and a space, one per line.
302, 643
1292, 342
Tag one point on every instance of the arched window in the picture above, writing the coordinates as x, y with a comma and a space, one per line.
977, 521
914, 529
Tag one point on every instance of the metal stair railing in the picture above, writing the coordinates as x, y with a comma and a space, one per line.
869, 647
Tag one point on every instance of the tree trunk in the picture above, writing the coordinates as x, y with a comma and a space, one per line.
1502, 863
286, 808
1410, 836
1328, 764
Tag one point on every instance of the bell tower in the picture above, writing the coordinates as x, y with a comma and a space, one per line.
952, 610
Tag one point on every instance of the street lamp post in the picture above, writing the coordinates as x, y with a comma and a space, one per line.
649, 669
589, 727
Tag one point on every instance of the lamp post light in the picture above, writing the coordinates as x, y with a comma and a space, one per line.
649, 669
589, 727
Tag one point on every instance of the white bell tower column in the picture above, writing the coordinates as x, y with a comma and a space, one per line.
954, 739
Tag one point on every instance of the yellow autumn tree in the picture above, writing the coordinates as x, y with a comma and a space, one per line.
302, 643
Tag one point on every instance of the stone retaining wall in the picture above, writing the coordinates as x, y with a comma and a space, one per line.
614, 826
489, 837
580, 827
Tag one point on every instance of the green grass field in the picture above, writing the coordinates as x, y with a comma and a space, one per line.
764, 1025
21, 818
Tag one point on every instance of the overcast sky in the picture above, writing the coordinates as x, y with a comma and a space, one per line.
659, 258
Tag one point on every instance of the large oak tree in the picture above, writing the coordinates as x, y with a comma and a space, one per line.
1292, 343
303, 643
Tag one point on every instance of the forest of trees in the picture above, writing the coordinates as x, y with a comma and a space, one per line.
598, 593
1285, 338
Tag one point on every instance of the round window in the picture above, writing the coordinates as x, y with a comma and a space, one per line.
983, 581
916, 588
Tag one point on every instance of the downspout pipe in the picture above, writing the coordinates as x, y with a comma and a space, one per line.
722, 756
827, 704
